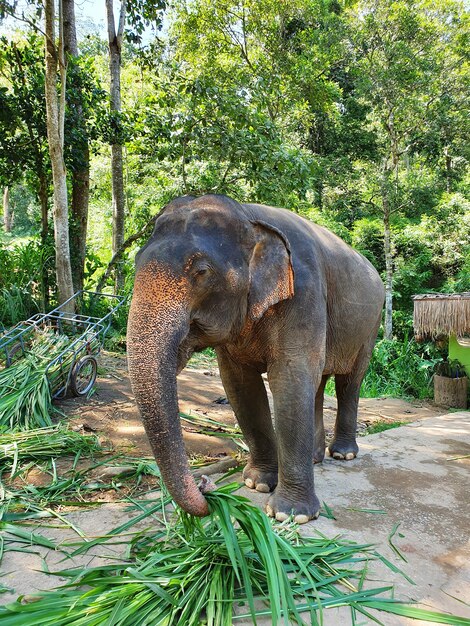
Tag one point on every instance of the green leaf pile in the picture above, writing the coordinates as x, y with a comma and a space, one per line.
234, 564
25, 393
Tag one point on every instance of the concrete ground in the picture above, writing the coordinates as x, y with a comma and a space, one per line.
417, 474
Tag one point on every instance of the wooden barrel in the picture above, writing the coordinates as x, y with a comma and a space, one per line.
450, 392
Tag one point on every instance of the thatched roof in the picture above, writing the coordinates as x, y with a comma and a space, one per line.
436, 315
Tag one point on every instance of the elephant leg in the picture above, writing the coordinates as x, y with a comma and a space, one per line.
319, 451
247, 395
344, 446
294, 405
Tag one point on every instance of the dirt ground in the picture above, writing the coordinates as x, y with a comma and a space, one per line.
112, 413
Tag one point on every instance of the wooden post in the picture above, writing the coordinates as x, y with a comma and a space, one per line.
450, 392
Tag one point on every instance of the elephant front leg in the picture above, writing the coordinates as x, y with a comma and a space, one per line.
294, 390
248, 398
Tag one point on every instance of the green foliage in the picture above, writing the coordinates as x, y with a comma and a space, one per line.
400, 369
22, 270
450, 368
140, 15
331, 110
368, 237
16, 304
86, 115
380, 426
26, 215
24, 157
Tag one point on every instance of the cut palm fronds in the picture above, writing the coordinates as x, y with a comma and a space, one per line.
327, 512
360, 510
25, 395
209, 426
393, 546
44, 443
196, 571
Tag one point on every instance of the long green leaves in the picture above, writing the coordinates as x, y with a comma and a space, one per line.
191, 572
43, 443
25, 395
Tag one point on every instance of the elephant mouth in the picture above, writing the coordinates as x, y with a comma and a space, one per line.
190, 345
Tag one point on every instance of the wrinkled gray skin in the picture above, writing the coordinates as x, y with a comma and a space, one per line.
271, 292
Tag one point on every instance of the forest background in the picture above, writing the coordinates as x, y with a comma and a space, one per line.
351, 113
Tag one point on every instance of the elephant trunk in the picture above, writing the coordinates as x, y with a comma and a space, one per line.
158, 322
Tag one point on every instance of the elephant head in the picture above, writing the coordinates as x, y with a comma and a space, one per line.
206, 273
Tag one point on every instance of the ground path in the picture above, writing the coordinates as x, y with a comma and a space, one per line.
112, 411
413, 479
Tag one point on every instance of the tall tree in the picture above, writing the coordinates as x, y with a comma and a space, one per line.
55, 112
80, 168
115, 38
406, 58
139, 13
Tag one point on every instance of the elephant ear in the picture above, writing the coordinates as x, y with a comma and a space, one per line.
271, 271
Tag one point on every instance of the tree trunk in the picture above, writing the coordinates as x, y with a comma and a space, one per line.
388, 324
55, 112
79, 217
118, 209
388, 333
81, 175
44, 201
117, 169
6, 210
450, 392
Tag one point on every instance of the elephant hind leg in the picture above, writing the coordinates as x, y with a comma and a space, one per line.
344, 446
319, 449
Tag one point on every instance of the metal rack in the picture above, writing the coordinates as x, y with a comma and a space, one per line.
74, 369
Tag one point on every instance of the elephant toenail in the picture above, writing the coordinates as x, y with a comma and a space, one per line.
317, 515
350, 456
338, 455
281, 517
269, 511
262, 487
301, 519
250, 483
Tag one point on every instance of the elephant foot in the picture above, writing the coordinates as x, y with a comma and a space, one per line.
319, 455
263, 480
343, 451
282, 506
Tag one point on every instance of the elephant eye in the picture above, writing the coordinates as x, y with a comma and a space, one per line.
199, 268
202, 270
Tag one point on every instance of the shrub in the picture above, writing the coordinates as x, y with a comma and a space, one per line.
400, 368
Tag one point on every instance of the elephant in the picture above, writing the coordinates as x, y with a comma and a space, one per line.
272, 293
